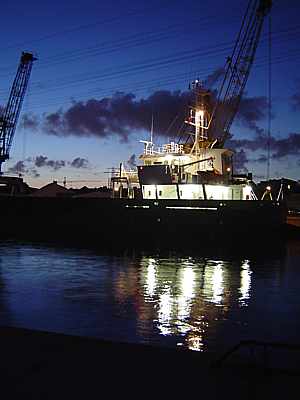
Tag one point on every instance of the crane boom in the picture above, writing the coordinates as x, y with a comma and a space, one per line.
238, 69
10, 115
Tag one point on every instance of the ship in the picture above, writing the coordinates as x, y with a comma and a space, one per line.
187, 189
195, 168
184, 192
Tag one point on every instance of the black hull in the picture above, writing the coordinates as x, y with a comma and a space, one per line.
141, 223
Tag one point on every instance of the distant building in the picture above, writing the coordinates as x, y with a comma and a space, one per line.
52, 190
13, 186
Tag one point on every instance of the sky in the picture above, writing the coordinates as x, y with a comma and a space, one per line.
104, 68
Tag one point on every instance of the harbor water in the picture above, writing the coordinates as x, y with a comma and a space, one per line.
199, 302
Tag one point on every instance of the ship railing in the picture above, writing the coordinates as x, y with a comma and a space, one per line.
268, 356
253, 195
165, 149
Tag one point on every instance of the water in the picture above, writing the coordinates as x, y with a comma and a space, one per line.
202, 303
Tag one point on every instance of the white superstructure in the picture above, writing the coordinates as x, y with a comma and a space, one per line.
197, 169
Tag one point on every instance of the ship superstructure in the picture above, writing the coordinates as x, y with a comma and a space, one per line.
195, 169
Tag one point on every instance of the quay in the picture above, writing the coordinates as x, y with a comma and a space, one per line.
44, 365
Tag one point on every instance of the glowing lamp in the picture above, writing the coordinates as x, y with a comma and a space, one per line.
199, 114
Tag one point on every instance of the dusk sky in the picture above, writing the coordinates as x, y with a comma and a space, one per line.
89, 50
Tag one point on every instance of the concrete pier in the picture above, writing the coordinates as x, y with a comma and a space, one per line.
43, 365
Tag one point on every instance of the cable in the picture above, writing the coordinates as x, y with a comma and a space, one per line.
269, 96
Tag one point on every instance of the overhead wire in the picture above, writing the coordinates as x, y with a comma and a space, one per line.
148, 65
99, 76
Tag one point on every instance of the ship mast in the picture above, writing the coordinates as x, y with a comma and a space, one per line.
199, 118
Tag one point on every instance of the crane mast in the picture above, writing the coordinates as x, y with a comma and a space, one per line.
10, 115
238, 69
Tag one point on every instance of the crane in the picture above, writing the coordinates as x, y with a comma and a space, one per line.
10, 115
219, 114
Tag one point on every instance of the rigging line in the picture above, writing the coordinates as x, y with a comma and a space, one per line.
218, 46
269, 96
177, 27
58, 99
144, 84
130, 13
171, 124
264, 39
119, 42
133, 68
58, 86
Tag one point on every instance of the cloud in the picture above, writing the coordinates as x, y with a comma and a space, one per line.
286, 146
31, 164
18, 168
21, 168
261, 159
42, 161
251, 111
119, 115
280, 148
240, 160
30, 121
123, 114
34, 173
79, 162
213, 78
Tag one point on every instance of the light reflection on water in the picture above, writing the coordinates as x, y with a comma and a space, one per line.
199, 303
181, 302
245, 283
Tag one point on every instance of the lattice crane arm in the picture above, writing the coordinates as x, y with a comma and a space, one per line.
238, 68
10, 115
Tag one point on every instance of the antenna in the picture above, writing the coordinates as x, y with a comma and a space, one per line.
269, 96
151, 132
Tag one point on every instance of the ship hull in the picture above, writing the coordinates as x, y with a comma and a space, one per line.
129, 222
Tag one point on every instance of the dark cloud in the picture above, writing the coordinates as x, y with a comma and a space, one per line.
21, 168
121, 115
251, 111
29, 121
279, 148
79, 162
240, 160
30, 165
43, 161
261, 159
40, 161
286, 146
213, 78
18, 168
34, 173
